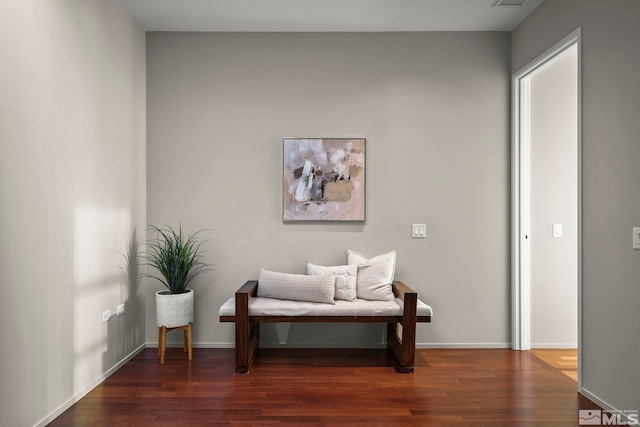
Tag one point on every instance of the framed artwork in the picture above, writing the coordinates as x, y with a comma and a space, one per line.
323, 179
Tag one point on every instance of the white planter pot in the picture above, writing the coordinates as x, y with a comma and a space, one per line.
173, 310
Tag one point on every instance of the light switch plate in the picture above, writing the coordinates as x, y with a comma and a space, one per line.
557, 230
636, 237
418, 231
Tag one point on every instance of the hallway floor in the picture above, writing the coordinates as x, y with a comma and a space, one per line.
565, 360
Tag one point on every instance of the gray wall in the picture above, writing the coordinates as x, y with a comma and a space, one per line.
72, 185
434, 108
611, 201
554, 200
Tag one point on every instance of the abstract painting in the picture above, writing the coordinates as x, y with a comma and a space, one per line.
324, 179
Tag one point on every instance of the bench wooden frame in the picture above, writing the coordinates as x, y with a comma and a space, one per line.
402, 347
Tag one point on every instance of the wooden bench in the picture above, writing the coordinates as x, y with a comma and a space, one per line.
400, 340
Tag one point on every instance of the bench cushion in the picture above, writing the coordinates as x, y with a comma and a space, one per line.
360, 307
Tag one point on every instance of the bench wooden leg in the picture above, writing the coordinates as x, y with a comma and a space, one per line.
247, 343
402, 349
247, 335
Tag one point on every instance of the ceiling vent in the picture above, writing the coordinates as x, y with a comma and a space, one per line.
508, 3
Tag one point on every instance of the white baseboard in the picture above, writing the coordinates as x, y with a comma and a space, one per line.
340, 345
326, 345
154, 344
231, 345
595, 399
66, 405
555, 345
457, 345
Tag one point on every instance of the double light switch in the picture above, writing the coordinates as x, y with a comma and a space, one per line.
419, 231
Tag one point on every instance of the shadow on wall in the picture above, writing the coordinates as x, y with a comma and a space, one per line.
131, 333
104, 277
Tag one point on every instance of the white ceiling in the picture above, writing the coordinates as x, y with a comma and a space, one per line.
327, 15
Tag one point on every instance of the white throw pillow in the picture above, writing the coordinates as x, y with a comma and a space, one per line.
345, 279
297, 287
375, 275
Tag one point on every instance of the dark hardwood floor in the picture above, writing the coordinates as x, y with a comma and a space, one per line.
297, 387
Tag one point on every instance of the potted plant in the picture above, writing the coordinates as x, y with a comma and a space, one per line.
177, 259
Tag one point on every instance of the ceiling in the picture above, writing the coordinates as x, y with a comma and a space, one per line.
329, 15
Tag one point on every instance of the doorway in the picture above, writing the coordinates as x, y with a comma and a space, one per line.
546, 200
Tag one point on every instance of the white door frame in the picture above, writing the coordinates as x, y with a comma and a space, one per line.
521, 197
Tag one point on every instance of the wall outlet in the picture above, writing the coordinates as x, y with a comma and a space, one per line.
106, 315
120, 310
636, 237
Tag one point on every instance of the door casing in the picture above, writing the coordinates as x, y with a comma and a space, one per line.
521, 197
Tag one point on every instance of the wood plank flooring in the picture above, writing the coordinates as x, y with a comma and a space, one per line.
296, 387
565, 360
